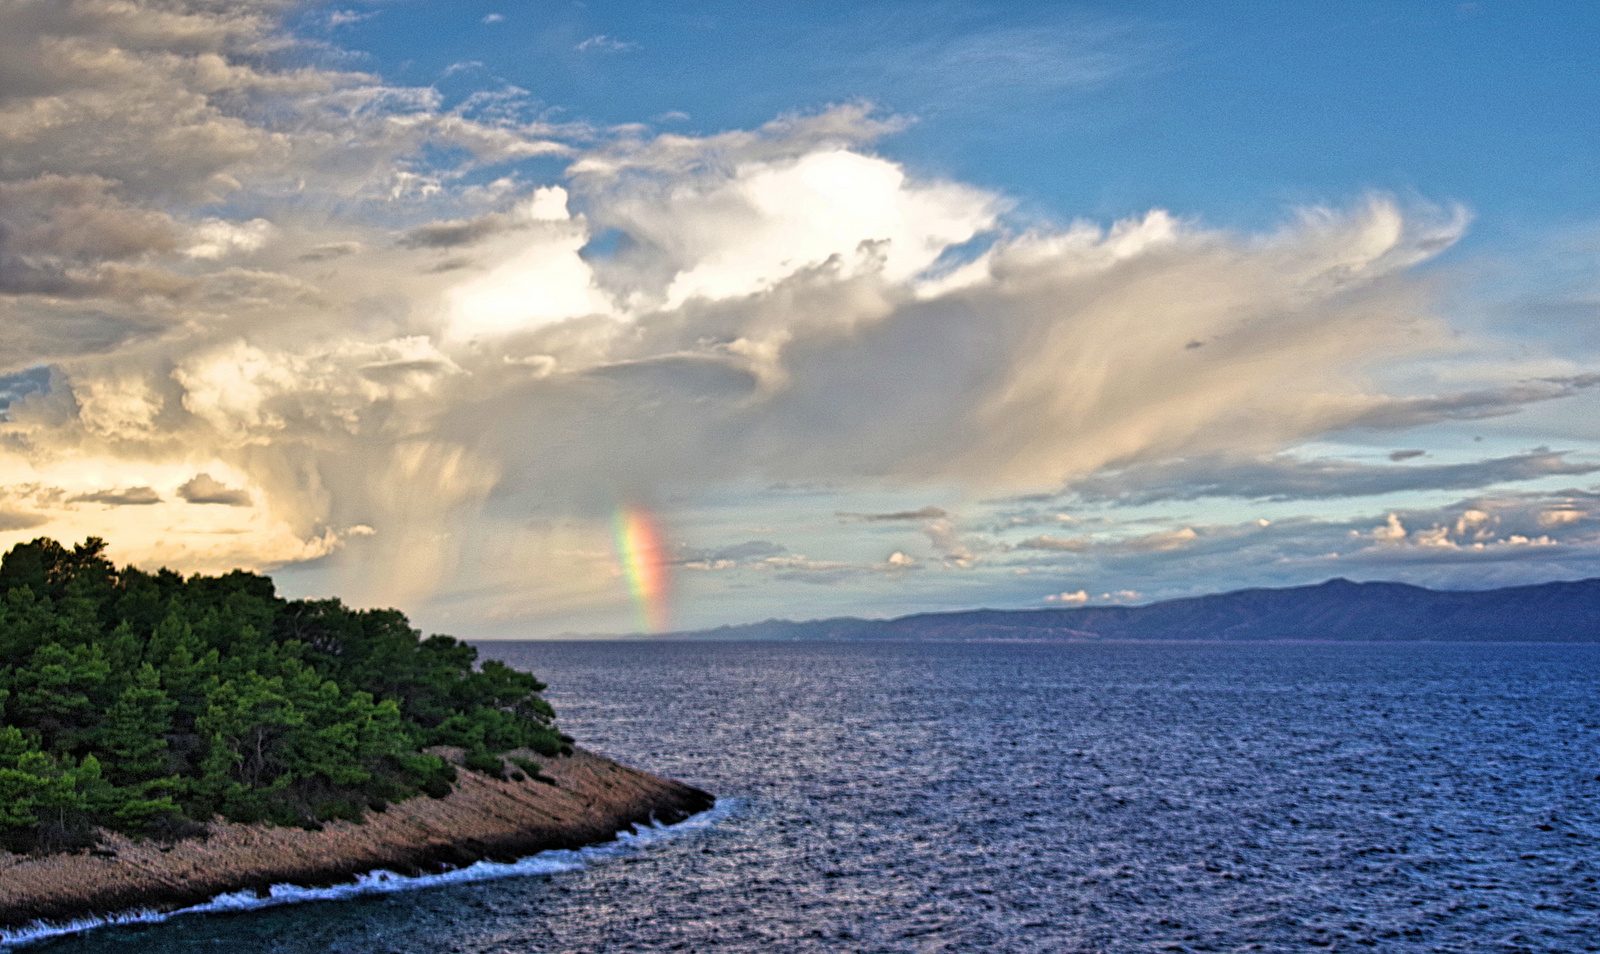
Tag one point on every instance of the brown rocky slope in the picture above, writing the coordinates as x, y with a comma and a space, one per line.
580, 799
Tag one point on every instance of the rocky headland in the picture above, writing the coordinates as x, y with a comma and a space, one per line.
577, 799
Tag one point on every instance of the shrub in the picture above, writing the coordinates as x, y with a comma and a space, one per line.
480, 760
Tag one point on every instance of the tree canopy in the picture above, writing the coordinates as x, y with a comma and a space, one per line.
148, 703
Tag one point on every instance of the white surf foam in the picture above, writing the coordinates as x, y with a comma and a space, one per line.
386, 882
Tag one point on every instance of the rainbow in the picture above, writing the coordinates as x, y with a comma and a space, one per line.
644, 564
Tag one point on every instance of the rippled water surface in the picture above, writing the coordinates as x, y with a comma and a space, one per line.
1137, 797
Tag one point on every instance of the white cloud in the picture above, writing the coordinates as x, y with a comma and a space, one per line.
606, 44
537, 276
769, 221
1071, 599
445, 378
339, 18
1393, 531
214, 238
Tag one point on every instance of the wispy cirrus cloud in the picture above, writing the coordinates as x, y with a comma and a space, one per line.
601, 43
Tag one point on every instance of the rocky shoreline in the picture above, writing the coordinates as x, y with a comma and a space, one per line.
579, 799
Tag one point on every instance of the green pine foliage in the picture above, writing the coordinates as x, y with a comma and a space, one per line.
148, 703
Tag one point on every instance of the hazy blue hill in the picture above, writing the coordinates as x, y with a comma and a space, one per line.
1339, 609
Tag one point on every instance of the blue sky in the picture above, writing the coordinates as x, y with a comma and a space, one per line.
1219, 110
870, 308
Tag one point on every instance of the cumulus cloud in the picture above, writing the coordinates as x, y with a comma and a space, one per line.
1070, 599
204, 489
1499, 539
450, 375
215, 238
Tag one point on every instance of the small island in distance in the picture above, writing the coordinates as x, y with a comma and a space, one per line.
1337, 610
168, 739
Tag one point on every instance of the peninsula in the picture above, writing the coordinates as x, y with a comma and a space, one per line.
164, 740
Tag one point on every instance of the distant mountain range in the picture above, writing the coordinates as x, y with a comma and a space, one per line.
1335, 610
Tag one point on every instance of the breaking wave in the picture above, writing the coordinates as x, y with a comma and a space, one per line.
387, 882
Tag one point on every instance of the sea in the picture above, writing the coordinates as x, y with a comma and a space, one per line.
1093, 797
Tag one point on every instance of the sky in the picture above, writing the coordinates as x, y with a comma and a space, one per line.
535, 319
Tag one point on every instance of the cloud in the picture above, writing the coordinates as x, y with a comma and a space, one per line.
728, 236
339, 18
606, 44
203, 489
1058, 544
834, 572
452, 234
1401, 455
1400, 413
721, 558
13, 520
1287, 478
1497, 539
926, 513
973, 66
72, 236
131, 497
544, 385
1162, 541
215, 238
494, 18
351, 306
329, 251
1070, 599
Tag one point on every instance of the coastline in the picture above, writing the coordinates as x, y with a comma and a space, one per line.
585, 800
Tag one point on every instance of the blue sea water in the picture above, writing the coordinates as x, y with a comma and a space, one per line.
1012, 797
